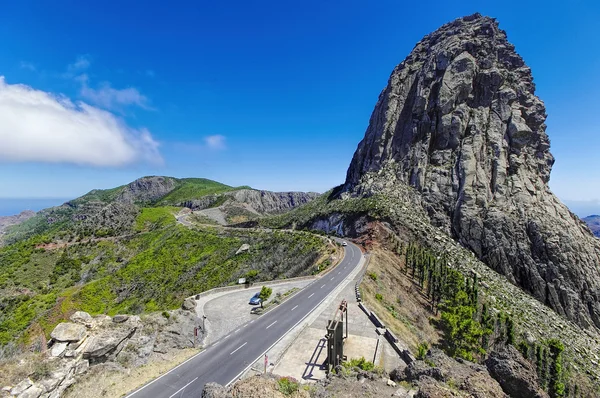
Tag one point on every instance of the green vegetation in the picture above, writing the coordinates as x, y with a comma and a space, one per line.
151, 218
360, 363
373, 276
468, 326
422, 349
287, 385
144, 272
265, 293
193, 188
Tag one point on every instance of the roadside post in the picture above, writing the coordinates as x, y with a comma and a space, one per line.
266, 362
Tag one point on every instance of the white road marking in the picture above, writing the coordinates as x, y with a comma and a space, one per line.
322, 286
232, 352
294, 308
271, 324
183, 387
312, 294
236, 331
216, 343
226, 336
332, 277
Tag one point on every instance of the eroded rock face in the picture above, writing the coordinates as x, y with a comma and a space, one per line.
516, 375
459, 122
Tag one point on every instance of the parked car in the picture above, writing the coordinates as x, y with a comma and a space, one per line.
344, 243
255, 300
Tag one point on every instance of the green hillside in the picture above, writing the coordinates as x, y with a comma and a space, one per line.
106, 252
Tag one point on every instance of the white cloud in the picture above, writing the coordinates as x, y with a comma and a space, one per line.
28, 66
36, 126
81, 63
111, 98
215, 142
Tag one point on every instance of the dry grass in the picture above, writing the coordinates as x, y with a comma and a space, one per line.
103, 382
13, 370
409, 318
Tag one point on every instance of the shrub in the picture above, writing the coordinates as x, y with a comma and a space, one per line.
373, 276
360, 363
378, 297
166, 314
422, 350
287, 385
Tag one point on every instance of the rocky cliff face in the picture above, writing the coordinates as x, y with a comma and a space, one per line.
147, 189
460, 123
266, 202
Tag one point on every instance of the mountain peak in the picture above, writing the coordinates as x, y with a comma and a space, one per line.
460, 123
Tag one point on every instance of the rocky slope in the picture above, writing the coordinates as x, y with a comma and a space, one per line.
7, 221
460, 123
593, 222
437, 375
123, 342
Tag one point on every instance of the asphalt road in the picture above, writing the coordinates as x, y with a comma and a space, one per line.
228, 358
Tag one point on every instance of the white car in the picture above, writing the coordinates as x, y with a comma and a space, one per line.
344, 243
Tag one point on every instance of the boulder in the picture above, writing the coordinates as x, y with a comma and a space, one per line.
398, 373
516, 375
22, 386
120, 318
82, 318
68, 332
214, 390
189, 304
58, 349
243, 248
105, 342
32, 392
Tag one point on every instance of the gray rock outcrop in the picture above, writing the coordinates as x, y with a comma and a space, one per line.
516, 376
266, 202
460, 123
82, 318
432, 374
68, 332
147, 189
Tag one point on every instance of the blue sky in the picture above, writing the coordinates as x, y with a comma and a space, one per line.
272, 94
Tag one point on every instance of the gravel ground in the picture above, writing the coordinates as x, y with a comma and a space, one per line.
227, 311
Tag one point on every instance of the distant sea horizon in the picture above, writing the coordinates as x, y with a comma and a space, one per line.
12, 206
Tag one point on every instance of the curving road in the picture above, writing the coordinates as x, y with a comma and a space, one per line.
228, 358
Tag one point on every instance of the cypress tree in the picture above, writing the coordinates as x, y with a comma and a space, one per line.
510, 331
556, 386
